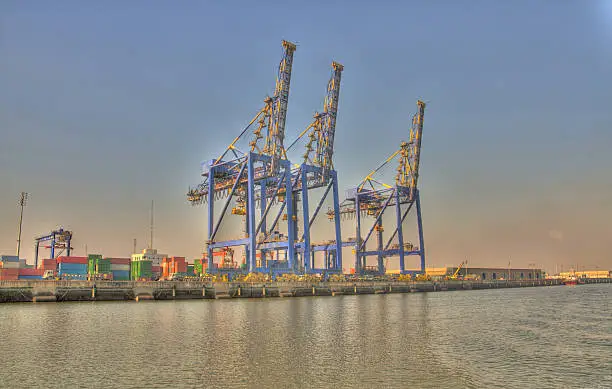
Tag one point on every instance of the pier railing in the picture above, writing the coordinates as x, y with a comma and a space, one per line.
54, 284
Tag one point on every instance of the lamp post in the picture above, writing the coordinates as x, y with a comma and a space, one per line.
23, 200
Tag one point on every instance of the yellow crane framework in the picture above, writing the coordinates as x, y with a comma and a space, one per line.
322, 130
372, 197
273, 116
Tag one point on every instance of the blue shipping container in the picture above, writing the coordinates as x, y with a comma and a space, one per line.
121, 275
76, 266
63, 270
30, 277
9, 258
75, 269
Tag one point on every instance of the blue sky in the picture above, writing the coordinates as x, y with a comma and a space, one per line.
105, 106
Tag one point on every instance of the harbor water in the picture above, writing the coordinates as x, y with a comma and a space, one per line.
546, 337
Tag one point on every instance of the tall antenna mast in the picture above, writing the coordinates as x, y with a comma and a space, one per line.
134, 251
151, 242
23, 199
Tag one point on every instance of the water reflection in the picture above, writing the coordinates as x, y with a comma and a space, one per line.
511, 338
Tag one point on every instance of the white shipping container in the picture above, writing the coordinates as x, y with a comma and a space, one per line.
10, 265
119, 267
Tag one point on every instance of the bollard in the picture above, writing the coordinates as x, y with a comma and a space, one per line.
264, 291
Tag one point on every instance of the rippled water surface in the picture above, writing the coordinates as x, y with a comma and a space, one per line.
549, 337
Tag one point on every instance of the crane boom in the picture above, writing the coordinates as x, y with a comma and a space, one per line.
410, 153
325, 146
274, 145
320, 147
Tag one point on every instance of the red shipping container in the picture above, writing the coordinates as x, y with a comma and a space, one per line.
31, 272
156, 269
9, 274
47, 264
80, 260
119, 261
179, 265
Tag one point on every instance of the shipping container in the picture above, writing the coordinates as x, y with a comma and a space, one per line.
9, 265
72, 268
119, 261
9, 258
9, 274
80, 260
121, 275
141, 270
30, 272
47, 264
197, 267
30, 277
103, 266
120, 267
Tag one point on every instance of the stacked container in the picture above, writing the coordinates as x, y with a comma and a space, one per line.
156, 272
99, 267
197, 266
190, 270
30, 274
174, 265
9, 268
48, 264
141, 270
72, 268
92, 262
120, 268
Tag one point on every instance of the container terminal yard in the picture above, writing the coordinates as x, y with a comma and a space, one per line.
275, 203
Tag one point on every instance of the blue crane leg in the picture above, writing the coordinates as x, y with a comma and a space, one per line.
400, 233
251, 246
290, 221
306, 221
357, 235
338, 262
211, 215
420, 225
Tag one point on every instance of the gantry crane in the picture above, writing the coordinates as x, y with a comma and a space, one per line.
264, 186
60, 239
316, 171
254, 177
372, 197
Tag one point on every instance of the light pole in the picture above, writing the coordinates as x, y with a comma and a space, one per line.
23, 200
508, 270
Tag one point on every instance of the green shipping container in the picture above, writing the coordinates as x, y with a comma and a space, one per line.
97, 265
104, 266
141, 269
197, 266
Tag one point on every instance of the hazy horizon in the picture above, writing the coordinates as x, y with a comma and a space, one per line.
107, 106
